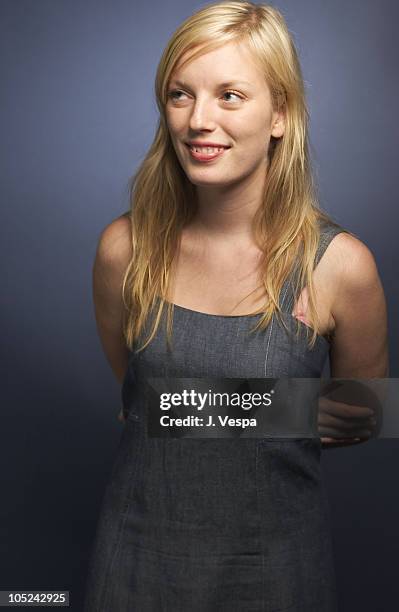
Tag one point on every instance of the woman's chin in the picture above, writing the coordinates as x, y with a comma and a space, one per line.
206, 180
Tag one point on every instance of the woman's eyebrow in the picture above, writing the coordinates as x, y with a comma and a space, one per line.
221, 85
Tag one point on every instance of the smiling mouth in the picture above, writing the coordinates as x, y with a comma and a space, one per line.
205, 153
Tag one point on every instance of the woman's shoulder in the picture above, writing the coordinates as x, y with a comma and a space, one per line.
343, 246
345, 265
352, 262
115, 241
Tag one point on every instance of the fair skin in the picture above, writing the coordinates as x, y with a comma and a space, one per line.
217, 263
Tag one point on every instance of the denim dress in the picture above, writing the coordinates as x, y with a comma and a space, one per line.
216, 525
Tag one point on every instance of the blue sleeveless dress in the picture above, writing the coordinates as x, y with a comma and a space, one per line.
216, 525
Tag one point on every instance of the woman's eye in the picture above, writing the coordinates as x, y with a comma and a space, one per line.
232, 93
176, 95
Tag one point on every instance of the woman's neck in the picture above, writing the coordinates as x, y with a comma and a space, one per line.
227, 212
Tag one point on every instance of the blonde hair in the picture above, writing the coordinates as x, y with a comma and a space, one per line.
286, 225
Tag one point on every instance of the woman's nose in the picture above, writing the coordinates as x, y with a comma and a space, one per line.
202, 116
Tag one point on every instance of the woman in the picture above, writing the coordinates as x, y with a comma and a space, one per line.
225, 234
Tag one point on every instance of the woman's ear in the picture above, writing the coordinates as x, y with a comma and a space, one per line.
278, 125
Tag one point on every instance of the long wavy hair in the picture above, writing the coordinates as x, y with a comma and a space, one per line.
286, 226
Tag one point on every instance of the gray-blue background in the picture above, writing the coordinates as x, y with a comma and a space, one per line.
77, 115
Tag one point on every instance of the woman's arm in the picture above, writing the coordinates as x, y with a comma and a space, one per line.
112, 257
359, 346
360, 339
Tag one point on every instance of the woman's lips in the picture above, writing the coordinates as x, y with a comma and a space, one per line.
203, 155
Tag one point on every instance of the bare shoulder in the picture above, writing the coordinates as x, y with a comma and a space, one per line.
360, 339
115, 244
353, 263
110, 265
115, 238
358, 301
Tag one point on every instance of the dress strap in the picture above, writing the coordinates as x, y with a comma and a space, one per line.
327, 233
287, 296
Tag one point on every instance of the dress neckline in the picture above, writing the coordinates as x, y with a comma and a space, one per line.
209, 314
246, 316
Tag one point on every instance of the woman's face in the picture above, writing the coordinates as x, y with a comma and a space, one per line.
222, 98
